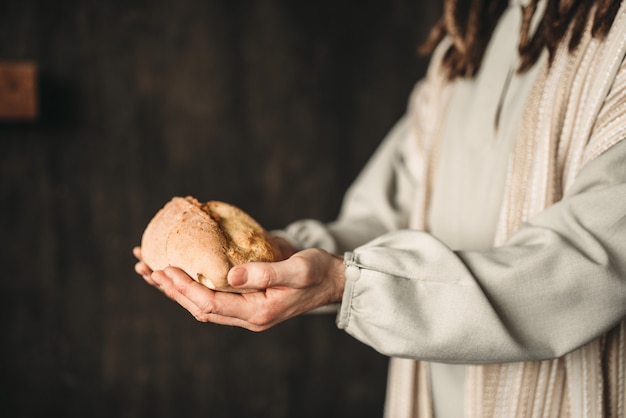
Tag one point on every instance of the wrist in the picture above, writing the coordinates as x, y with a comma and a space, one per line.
337, 278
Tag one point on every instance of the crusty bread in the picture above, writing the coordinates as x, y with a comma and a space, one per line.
205, 240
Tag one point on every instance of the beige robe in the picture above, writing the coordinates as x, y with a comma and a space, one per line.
575, 113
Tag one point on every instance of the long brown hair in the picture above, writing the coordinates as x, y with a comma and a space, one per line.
470, 23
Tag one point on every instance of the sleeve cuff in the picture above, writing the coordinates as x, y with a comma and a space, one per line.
353, 273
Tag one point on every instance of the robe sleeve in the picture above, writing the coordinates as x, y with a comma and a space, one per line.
556, 284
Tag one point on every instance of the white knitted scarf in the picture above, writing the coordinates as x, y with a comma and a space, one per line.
575, 112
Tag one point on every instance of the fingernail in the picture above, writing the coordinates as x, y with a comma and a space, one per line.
237, 276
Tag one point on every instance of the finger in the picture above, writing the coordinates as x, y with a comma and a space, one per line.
260, 276
249, 310
205, 304
206, 300
143, 269
137, 252
178, 286
235, 322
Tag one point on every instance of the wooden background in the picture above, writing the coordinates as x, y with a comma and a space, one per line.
271, 105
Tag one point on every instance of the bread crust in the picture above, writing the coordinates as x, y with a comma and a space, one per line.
205, 240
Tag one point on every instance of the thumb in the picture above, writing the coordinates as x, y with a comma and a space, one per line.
261, 276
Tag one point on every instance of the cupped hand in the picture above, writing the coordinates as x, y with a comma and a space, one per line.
305, 281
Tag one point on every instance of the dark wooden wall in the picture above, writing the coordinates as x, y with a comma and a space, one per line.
273, 105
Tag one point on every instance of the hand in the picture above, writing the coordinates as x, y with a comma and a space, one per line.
307, 280
285, 248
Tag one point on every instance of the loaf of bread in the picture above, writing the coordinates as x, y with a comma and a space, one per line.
205, 240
